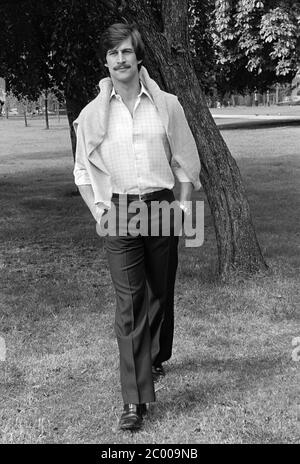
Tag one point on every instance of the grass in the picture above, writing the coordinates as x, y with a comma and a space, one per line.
231, 378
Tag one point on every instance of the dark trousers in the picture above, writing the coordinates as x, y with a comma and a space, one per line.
143, 271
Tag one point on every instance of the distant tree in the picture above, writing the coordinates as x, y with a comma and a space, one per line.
25, 56
50, 46
77, 26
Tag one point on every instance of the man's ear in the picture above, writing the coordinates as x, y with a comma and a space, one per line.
106, 65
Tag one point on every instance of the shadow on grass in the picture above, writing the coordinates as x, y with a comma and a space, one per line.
210, 380
39, 156
262, 124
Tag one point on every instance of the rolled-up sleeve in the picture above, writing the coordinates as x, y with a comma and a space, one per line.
184, 151
179, 172
80, 171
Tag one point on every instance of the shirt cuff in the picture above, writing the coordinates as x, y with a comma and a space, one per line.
180, 174
82, 180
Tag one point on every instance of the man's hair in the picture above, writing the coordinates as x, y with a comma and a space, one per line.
119, 32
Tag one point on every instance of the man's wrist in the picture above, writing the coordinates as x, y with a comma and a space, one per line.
98, 214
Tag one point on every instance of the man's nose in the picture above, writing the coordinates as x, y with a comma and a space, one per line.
120, 57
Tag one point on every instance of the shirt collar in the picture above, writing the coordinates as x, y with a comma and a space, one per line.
143, 91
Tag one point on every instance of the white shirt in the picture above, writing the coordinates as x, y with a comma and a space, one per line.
136, 150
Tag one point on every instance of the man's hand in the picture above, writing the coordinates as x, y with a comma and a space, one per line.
186, 207
87, 194
186, 189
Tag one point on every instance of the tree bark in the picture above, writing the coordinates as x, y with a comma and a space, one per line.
238, 248
25, 113
73, 109
74, 106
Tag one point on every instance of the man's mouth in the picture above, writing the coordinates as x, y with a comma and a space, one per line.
122, 67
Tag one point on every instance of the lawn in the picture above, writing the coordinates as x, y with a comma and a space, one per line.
231, 379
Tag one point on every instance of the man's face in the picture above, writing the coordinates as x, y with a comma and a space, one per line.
121, 62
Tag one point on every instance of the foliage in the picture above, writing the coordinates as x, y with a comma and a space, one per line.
202, 44
235, 45
75, 42
256, 43
25, 59
53, 45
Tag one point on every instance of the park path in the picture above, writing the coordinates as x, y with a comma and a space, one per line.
253, 111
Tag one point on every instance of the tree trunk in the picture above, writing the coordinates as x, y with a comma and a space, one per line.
58, 112
46, 110
238, 248
73, 110
25, 115
73, 105
277, 94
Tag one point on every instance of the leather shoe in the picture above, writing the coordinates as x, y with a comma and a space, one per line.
158, 372
132, 416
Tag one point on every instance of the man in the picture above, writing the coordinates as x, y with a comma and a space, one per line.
131, 140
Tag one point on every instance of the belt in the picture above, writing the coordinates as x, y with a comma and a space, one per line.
156, 195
